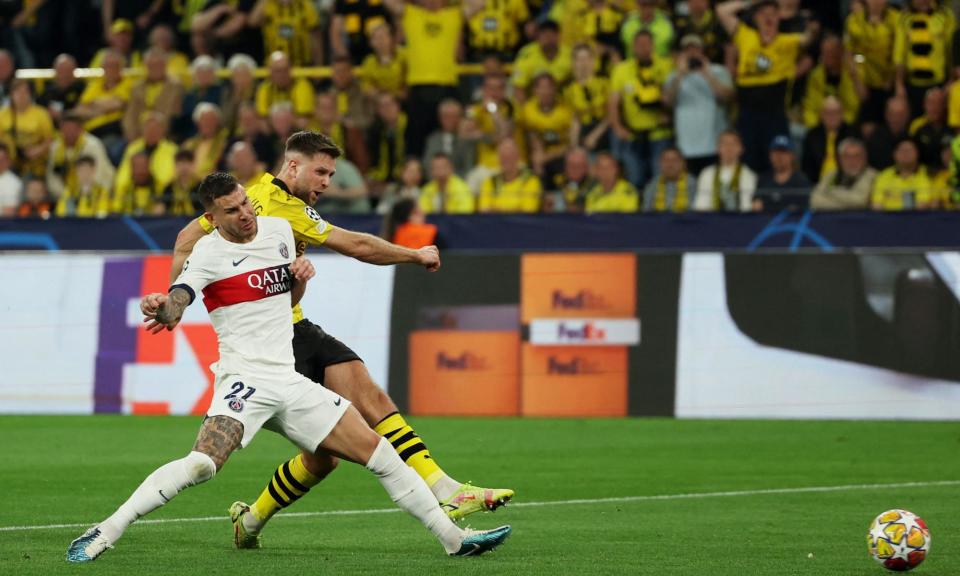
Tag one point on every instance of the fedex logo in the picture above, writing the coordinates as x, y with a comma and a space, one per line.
575, 366
582, 300
585, 332
465, 361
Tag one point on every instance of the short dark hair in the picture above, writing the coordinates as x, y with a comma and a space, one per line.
311, 143
548, 26
183, 155
643, 32
216, 185
85, 159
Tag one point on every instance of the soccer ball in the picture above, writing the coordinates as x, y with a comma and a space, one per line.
899, 540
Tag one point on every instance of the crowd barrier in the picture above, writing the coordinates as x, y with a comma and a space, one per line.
689, 231
864, 334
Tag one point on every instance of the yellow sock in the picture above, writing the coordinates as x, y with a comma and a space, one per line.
411, 449
290, 481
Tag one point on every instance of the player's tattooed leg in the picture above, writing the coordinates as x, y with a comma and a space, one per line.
219, 436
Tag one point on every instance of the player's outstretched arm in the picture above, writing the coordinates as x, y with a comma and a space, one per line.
186, 240
302, 271
373, 250
163, 311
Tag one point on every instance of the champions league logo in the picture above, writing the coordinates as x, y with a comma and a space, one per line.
283, 250
236, 404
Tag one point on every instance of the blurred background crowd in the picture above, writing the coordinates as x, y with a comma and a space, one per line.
112, 107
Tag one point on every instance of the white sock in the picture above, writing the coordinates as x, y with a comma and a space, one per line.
411, 494
159, 488
444, 488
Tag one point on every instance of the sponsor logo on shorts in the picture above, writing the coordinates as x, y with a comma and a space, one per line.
236, 404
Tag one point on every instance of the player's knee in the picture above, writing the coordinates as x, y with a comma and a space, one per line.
320, 465
200, 467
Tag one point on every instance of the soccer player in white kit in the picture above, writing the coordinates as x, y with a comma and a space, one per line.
248, 273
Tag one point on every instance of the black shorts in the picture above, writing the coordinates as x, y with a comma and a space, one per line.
314, 350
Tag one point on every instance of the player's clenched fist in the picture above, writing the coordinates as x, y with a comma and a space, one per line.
430, 258
302, 269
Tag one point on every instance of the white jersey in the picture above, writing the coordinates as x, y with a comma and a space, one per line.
246, 289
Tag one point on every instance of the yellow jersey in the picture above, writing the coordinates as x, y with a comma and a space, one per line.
552, 126
871, 45
922, 45
762, 64
953, 106
891, 191
136, 199
91, 203
486, 124
97, 90
389, 77
271, 197
522, 194
531, 62
287, 27
28, 128
432, 39
622, 198
300, 95
819, 86
496, 27
457, 199
161, 163
588, 100
640, 90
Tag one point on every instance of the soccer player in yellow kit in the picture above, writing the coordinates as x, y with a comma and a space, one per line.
309, 163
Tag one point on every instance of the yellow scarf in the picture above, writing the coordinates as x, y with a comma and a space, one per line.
680, 200
64, 158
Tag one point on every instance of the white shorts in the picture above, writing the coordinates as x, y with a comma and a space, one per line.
297, 408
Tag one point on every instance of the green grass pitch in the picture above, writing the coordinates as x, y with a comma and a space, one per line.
66, 470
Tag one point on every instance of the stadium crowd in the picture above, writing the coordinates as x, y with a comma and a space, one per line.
569, 105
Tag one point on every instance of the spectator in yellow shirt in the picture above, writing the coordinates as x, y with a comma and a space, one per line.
385, 70
832, 77
514, 188
30, 130
641, 123
84, 197
283, 87
869, 34
490, 120
496, 29
921, 49
140, 195
102, 104
445, 192
210, 143
291, 27
905, 185
432, 32
546, 55
160, 153
120, 40
547, 123
586, 95
611, 193
156, 92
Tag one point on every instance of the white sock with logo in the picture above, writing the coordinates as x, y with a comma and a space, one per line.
159, 488
411, 494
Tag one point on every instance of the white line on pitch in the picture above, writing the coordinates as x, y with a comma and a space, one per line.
687, 496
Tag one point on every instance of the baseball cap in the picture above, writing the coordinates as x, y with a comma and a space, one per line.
121, 25
691, 40
781, 142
